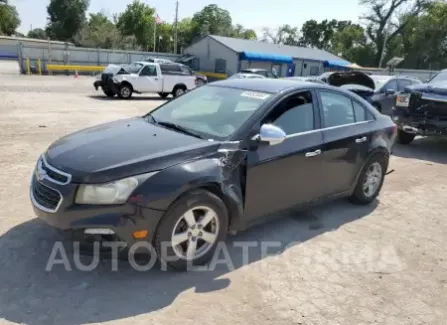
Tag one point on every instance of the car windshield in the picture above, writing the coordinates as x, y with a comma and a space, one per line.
212, 112
440, 77
134, 67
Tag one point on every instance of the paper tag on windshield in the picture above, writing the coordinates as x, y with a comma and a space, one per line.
255, 95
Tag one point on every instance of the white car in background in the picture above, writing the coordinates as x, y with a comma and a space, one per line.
246, 76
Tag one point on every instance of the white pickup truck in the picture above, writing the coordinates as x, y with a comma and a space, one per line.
146, 77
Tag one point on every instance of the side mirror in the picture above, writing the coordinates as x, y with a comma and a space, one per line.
271, 134
390, 91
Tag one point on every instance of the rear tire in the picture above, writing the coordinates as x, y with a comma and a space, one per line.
193, 229
125, 91
163, 95
371, 179
108, 92
404, 137
178, 91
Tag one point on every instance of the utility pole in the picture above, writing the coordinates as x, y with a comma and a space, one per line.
175, 27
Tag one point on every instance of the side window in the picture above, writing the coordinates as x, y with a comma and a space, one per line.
270, 75
294, 114
186, 71
402, 83
392, 84
170, 69
149, 71
337, 109
361, 113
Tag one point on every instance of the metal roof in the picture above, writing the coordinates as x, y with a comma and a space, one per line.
241, 45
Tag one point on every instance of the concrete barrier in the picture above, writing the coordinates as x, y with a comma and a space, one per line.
9, 67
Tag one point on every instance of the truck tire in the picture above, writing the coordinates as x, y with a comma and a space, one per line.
125, 91
108, 92
163, 95
178, 90
404, 137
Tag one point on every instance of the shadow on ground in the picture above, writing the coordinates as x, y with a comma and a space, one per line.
32, 295
134, 97
432, 149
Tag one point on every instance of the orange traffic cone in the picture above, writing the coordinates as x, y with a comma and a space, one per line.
76, 74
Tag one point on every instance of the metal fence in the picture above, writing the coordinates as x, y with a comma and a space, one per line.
80, 56
422, 75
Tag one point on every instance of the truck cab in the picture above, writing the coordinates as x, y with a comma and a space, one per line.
147, 77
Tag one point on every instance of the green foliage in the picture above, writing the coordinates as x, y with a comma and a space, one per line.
99, 31
211, 20
66, 18
38, 33
9, 19
138, 21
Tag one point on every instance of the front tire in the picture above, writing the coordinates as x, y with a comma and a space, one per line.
125, 91
371, 179
404, 137
191, 229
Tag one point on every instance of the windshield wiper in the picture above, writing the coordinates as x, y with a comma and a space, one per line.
177, 127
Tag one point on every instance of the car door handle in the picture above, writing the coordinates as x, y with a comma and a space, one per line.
313, 153
361, 140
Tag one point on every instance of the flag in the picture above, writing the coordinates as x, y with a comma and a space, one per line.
158, 20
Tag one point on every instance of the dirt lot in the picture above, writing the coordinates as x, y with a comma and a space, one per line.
339, 264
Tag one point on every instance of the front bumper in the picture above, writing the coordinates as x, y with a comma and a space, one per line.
73, 218
419, 124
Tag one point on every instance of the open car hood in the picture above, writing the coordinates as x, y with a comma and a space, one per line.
115, 69
339, 79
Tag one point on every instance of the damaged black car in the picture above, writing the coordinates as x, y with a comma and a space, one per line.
422, 109
215, 160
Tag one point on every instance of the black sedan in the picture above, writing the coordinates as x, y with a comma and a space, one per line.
214, 160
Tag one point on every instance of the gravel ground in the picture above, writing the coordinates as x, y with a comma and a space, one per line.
338, 264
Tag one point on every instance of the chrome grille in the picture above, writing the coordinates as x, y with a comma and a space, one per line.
44, 170
45, 198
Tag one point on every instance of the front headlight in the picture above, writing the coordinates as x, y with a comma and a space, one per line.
116, 192
403, 100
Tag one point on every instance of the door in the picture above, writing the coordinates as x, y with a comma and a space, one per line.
388, 96
149, 81
291, 70
287, 174
347, 135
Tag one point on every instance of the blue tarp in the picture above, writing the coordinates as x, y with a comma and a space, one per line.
257, 56
336, 64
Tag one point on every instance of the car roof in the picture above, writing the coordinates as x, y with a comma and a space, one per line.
268, 85
254, 69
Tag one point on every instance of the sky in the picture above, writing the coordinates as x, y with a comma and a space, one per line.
254, 14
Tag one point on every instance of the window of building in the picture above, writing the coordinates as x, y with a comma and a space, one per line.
314, 71
220, 66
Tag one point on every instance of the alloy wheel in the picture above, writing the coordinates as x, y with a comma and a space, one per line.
373, 177
195, 233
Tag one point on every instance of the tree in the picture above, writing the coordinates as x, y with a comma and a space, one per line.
184, 33
351, 43
386, 19
284, 34
98, 32
9, 19
239, 31
138, 20
321, 35
66, 18
38, 33
211, 20
165, 38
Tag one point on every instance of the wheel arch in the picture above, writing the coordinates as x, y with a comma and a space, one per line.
126, 83
179, 85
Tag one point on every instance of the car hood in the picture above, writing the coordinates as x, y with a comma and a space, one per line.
439, 88
359, 90
123, 148
113, 69
339, 79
